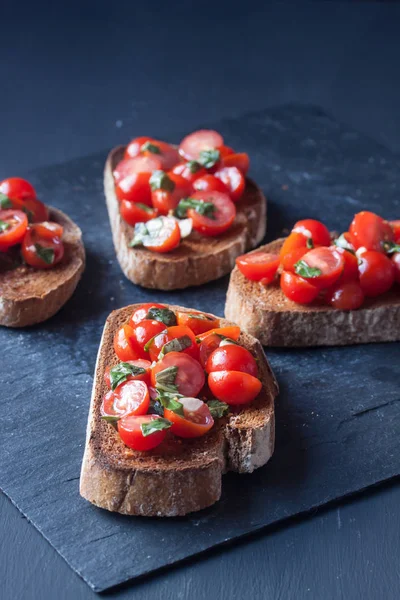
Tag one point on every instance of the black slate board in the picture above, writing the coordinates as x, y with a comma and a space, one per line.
338, 411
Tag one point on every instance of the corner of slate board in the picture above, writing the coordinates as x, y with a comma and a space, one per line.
338, 410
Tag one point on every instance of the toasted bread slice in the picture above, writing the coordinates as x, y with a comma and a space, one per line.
28, 295
197, 260
179, 476
266, 313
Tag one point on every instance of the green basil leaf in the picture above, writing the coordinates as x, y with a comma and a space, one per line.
4, 226
156, 408
310, 243
163, 315
144, 207
146, 233
390, 247
46, 254
304, 270
203, 208
193, 166
111, 418
209, 158
175, 345
341, 242
201, 316
149, 147
218, 409
155, 425
5, 201
167, 377
172, 403
160, 181
151, 340
120, 373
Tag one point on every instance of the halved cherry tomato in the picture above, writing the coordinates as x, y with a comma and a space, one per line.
329, 263
207, 347
350, 269
164, 236
134, 147
135, 212
291, 258
132, 177
197, 419
222, 218
172, 333
225, 151
48, 229
315, 230
198, 322
205, 139
234, 181
395, 225
377, 273
35, 210
141, 313
190, 171
294, 241
140, 362
369, 231
13, 225
144, 331
164, 152
232, 358
124, 344
396, 262
129, 398
41, 252
210, 183
258, 265
130, 431
241, 161
16, 188
190, 377
231, 331
234, 387
172, 188
345, 295
298, 289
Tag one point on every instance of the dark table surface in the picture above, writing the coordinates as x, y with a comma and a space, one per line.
83, 78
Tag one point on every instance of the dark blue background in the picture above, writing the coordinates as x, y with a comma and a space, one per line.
87, 76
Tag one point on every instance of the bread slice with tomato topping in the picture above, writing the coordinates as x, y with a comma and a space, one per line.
29, 295
180, 475
197, 259
266, 313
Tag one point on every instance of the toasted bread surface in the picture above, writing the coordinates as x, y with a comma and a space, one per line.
198, 259
28, 295
266, 313
179, 476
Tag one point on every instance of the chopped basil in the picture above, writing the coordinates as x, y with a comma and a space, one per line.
203, 208
341, 242
176, 345
160, 181
172, 403
46, 254
146, 232
167, 390
390, 247
163, 315
218, 409
156, 408
167, 378
209, 158
120, 373
28, 213
111, 418
149, 147
304, 270
5, 201
151, 340
310, 243
155, 425
193, 166
144, 207
4, 226
201, 316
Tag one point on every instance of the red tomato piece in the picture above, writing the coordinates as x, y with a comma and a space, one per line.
48, 230
234, 181
35, 210
350, 269
377, 273
223, 216
234, 387
144, 331
172, 333
165, 234
258, 265
129, 398
328, 263
124, 344
396, 262
195, 143
210, 183
164, 152
207, 347
141, 313
134, 147
298, 289
225, 151
16, 188
13, 226
140, 362
369, 231
232, 332
395, 225
291, 258
314, 230
132, 178
135, 212
198, 322
345, 295
167, 190
232, 358
293, 242
241, 161
197, 419
190, 377
191, 170
130, 431
41, 252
